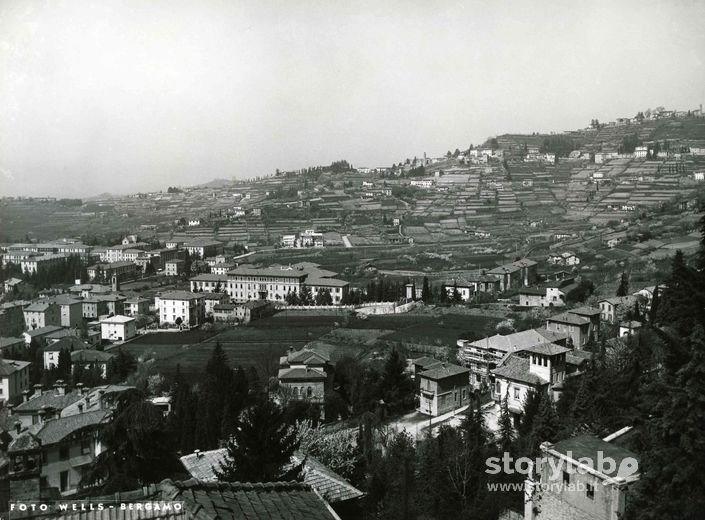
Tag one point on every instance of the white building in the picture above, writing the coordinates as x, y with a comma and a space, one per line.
14, 379
118, 328
180, 308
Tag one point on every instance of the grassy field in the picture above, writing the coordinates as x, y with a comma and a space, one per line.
443, 330
260, 344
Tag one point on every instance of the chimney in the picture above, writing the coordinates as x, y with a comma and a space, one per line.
198, 453
25, 396
59, 387
88, 401
37, 390
18, 427
79, 387
10, 407
101, 403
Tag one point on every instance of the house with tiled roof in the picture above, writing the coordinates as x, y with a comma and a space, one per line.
70, 309
580, 328
67, 343
575, 484
612, 308
41, 314
468, 284
521, 272
180, 308
552, 294
36, 404
263, 500
51, 454
535, 369
483, 355
328, 484
88, 359
40, 334
443, 387
10, 347
303, 374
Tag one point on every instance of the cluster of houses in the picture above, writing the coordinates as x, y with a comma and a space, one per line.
305, 239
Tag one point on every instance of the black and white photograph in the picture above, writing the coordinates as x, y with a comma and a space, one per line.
330, 260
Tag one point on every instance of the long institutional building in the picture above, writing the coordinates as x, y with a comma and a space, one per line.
273, 283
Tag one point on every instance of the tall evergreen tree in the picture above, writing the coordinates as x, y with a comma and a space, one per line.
261, 446
506, 429
546, 425
426, 291
623, 288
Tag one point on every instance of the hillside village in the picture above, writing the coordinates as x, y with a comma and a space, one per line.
372, 314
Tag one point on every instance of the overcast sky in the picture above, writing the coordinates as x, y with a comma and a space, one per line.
127, 96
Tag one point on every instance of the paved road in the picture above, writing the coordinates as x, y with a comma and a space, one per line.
417, 423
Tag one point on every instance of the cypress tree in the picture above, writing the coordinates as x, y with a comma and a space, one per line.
546, 425
426, 291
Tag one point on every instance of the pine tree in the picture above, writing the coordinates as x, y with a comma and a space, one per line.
260, 447
672, 481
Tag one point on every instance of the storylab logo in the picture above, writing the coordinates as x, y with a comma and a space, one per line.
526, 466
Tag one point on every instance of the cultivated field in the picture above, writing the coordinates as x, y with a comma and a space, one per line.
260, 344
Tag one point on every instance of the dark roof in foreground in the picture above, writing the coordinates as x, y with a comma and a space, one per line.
331, 486
248, 501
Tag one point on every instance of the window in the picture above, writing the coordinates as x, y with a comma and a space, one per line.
566, 477
516, 393
590, 491
85, 447
498, 388
309, 392
64, 452
64, 479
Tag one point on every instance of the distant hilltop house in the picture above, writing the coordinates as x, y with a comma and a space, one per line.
305, 239
422, 183
566, 258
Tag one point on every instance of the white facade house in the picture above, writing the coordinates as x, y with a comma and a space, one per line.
180, 308
118, 328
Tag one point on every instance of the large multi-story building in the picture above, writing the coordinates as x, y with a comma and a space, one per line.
35, 264
203, 247
275, 282
106, 271
180, 308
